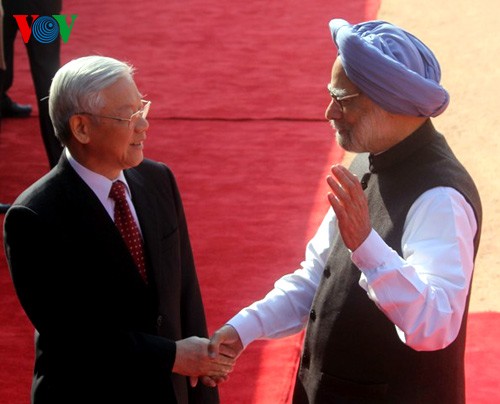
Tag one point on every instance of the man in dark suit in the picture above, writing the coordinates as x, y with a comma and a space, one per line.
103, 332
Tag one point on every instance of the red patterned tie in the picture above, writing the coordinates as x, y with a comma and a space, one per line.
128, 227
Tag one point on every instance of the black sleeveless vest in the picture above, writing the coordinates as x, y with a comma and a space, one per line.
352, 353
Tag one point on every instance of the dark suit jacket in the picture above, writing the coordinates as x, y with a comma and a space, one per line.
102, 334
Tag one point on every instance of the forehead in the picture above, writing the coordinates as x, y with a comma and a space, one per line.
339, 80
122, 92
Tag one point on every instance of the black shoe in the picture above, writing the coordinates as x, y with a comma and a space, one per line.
11, 109
4, 207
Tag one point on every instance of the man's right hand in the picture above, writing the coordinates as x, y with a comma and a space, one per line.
225, 341
193, 359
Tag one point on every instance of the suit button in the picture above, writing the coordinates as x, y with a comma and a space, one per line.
312, 315
159, 321
327, 273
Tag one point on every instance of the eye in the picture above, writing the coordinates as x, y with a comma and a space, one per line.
347, 101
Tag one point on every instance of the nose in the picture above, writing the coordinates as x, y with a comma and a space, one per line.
333, 111
142, 124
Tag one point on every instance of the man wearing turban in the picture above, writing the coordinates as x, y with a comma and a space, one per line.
384, 287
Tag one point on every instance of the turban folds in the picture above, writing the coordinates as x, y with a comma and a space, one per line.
391, 66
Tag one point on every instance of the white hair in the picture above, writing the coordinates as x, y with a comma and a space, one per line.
77, 87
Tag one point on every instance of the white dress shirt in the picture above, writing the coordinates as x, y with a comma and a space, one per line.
101, 186
423, 293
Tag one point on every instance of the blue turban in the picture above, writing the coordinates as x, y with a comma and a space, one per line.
391, 66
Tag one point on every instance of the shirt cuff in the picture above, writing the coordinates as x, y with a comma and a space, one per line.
374, 253
247, 325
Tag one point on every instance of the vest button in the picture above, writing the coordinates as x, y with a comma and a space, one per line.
312, 315
159, 321
305, 360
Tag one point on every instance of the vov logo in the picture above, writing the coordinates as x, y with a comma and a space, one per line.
45, 29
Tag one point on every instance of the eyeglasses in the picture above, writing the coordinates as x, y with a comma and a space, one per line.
338, 101
142, 113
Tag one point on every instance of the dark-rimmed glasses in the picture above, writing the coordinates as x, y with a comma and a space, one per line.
338, 101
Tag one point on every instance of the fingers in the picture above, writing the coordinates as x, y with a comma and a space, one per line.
226, 341
345, 191
213, 381
349, 202
192, 359
344, 184
207, 380
219, 365
214, 344
211, 360
229, 350
223, 361
223, 348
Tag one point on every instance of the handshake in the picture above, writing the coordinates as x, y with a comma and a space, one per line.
210, 360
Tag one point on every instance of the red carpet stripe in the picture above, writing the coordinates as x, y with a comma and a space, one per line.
250, 158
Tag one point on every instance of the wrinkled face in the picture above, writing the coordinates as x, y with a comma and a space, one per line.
117, 145
358, 121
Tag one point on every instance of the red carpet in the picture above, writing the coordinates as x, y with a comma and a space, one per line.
238, 97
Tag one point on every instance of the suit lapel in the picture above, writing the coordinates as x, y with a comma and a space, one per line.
82, 199
97, 227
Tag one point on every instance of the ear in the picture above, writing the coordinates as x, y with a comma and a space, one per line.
79, 125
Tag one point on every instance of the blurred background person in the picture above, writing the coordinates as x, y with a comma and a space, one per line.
44, 60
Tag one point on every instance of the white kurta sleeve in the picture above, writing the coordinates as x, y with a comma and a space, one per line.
424, 292
285, 309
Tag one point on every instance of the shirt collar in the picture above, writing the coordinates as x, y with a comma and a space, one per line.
97, 182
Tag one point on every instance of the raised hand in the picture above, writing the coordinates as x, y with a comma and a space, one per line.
350, 205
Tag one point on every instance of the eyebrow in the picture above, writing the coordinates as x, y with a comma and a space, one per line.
337, 92
131, 106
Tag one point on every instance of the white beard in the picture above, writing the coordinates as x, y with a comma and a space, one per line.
361, 136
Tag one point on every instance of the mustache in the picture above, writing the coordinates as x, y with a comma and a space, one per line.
337, 127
